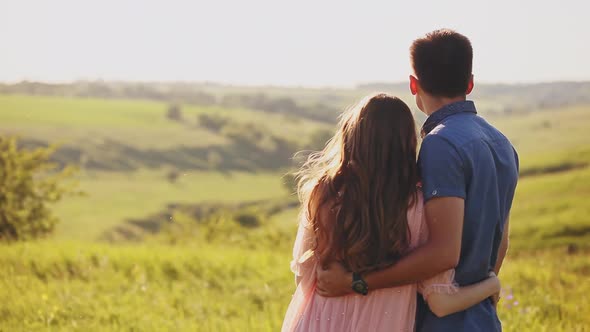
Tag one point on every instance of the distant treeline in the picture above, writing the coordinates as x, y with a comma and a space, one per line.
505, 98
519, 97
178, 93
541, 95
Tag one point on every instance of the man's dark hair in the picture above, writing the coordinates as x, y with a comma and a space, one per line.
442, 60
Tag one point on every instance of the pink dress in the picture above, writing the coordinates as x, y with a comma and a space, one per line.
391, 309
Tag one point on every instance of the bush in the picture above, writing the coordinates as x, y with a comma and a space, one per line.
28, 185
174, 113
212, 122
172, 176
246, 219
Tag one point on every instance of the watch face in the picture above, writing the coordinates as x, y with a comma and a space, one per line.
360, 287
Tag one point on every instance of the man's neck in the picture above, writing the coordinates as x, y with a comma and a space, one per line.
433, 104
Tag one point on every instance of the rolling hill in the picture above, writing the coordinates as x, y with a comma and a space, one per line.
187, 222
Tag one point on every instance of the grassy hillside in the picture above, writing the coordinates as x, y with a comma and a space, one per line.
546, 133
125, 135
112, 198
213, 225
128, 150
86, 121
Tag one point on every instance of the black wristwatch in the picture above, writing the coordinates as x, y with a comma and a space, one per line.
359, 285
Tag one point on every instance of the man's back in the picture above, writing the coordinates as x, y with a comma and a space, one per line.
464, 156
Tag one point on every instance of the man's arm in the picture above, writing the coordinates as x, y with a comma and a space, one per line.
443, 179
503, 247
444, 217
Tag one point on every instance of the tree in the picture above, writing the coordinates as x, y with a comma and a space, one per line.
173, 175
247, 219
174, 113
29, 184
212, 122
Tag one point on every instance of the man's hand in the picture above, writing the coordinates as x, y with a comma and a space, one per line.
333, 281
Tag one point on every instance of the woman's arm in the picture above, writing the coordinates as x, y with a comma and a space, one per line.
300, 265
444, 217
304, 258
503, 246
445, 303
305, 262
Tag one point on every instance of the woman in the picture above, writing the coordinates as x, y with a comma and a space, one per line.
362, 206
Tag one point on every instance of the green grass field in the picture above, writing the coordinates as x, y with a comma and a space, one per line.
236, 278
111, 198
141, 124
89, 287
141, 288
546, 132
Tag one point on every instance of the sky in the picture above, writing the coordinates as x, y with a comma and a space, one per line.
279, 42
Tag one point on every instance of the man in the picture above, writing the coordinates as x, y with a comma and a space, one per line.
469, 172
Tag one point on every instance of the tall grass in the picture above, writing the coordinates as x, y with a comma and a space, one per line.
70, 287
81, 287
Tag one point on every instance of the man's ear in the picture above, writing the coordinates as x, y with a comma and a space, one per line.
469, 85
413, 85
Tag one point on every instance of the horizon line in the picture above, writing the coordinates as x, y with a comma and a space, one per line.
270, 85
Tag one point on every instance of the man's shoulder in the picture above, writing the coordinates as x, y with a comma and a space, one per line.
435, 140
437, 145
446, 133
453, 126
459, 131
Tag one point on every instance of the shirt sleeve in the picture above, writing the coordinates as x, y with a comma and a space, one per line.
517, 160
441, 168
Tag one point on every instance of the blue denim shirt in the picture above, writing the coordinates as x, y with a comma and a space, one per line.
464, 156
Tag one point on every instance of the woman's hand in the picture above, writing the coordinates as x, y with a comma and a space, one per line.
498, 286
333, 281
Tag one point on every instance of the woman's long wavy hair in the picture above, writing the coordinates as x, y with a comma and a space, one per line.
366, 179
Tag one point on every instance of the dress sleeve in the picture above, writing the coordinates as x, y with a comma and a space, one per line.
302, 253
440, 283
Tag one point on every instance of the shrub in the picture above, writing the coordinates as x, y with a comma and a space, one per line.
174, 113
29, 183
172, 175
247, 219
212, 122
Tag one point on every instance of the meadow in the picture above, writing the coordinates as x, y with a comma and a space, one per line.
212, 272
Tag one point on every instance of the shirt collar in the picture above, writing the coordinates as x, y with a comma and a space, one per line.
454, 108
